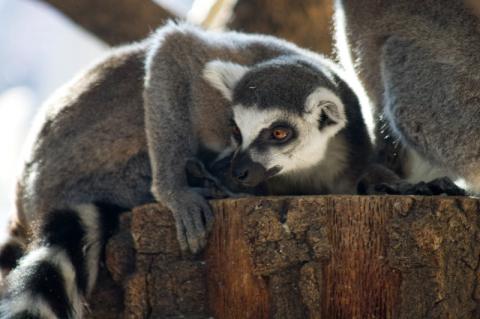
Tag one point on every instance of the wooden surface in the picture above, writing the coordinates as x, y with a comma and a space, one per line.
304, 257
233, 268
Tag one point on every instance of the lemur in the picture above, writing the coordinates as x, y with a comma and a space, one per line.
126, 131
419, 63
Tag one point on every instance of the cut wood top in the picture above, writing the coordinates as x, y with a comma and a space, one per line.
310, 257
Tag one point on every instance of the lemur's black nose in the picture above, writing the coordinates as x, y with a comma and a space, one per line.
240, 173
247, 172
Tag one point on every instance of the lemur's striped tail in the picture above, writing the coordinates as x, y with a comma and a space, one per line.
10, 252
60, 270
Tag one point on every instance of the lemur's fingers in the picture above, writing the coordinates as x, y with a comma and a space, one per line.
446, 186
196, 231
211, 192
402, 188
194, 218
421, 189
181, 236
439, 186
383, 188
187, 233
207, 216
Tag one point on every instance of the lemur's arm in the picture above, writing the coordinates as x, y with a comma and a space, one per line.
172, 141
181, 116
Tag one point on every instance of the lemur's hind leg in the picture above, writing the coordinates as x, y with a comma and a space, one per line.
60, 269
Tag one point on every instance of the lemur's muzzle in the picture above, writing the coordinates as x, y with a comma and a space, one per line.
247, 172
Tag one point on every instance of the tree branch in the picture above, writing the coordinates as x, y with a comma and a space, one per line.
306, 23
114, 21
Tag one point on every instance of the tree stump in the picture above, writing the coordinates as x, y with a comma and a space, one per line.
301, 257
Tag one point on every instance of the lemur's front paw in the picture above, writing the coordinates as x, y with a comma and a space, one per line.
445, 186
203, 182
193, 218
439, 186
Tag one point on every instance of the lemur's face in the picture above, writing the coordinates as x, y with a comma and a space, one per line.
271, 140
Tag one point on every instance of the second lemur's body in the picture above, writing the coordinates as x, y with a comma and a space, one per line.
121, 134
419, 62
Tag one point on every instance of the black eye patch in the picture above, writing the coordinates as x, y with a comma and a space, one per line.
279, 133
236, 133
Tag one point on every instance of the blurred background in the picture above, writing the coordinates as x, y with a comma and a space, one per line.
39, 50
45, 43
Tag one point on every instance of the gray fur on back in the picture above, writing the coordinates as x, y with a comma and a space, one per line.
90, 143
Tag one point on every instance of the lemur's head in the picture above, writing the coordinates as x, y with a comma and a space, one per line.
285, 111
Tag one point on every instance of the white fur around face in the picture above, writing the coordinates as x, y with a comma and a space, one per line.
223, 76
310, 146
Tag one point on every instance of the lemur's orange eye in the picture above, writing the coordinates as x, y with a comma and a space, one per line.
237, 135
280, 134
235, 130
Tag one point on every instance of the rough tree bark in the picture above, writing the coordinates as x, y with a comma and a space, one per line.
306, 23
114, 21
302, 257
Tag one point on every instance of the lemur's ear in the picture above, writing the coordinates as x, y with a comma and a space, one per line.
223, 76
326, 108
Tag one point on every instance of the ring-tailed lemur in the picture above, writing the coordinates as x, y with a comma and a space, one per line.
419, 62
123, 132
296, 124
